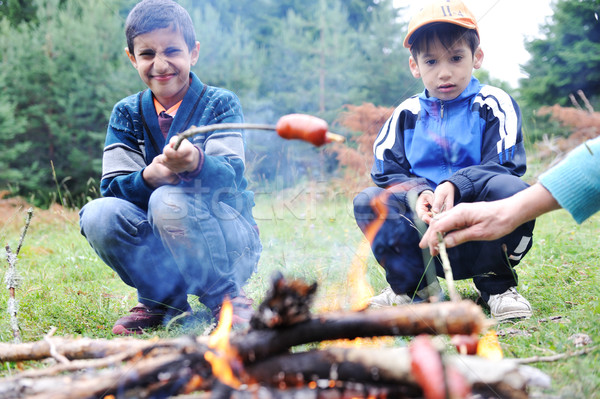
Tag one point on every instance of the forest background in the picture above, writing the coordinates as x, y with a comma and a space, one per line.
62, 68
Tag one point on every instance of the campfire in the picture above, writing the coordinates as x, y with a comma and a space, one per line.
288, 352
279, 356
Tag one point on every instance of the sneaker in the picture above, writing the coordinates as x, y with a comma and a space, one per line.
242, 311
509, 305
139, 319
388, 297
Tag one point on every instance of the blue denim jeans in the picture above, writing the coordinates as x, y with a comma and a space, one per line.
184, 244
396, 245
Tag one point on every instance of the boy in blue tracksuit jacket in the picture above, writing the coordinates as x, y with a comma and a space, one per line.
173, 222
458, 141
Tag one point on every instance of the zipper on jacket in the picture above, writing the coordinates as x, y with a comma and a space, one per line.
441, 109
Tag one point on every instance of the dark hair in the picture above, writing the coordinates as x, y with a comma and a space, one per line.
448, 35
150, 15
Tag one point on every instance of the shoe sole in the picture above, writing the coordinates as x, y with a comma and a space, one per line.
513, 315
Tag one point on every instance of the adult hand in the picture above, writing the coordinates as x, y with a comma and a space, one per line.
486, 221
483, 221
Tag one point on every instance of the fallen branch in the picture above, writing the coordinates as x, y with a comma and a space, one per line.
554, 358
84, 348
12, 279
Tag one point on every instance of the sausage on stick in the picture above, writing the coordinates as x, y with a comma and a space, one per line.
293, 126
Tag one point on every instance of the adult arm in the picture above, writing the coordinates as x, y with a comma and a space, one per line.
487, 221
573, 184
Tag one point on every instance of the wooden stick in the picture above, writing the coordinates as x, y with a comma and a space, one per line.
12, 279
334, 137
219, 126
447, 269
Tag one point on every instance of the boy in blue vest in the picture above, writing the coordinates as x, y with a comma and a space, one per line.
173, 222
458, 141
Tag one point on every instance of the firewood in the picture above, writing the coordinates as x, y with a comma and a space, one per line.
178, 371
127, 367
288, 302
387, 367
431, 318
81, 348
463, 317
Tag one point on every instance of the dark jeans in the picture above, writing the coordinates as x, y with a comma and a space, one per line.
182, 245
396, 245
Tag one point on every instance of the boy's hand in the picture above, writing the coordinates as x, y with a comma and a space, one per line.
184, 159
424, 203
157, 174
430, 204
443, 199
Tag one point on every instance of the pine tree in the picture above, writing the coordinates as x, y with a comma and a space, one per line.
58, 74
567, 58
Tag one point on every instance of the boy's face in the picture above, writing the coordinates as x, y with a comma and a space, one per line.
446, 72
163, 61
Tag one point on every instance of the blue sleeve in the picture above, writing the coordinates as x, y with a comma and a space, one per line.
390, 166
502, 149
123, 158
224, 158
575, 181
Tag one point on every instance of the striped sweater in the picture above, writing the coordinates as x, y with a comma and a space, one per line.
466, 141
134, 138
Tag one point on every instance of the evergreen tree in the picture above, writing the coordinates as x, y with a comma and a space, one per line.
62, 76
386, 78
567, 59
17, 11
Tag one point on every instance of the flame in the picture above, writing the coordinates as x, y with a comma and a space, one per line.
195, 383
489, 346
223, 355
378, 205
360, 290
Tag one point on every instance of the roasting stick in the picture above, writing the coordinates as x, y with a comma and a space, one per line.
293, 126
447, 269
454, 297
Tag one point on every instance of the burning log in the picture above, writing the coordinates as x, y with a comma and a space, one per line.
463, 318
387, 367
260, 360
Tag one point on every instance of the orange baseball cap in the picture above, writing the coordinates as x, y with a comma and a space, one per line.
446, 11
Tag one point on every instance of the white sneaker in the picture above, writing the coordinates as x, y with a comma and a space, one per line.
388, 297
509, 305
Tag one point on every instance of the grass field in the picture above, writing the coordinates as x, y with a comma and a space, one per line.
310, 234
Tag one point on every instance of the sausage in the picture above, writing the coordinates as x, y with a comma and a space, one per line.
431, 375
427, 368
303, 127
465, 344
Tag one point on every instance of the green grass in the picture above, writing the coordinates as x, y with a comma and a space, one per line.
311, 235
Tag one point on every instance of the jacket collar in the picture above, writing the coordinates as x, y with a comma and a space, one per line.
471, 90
